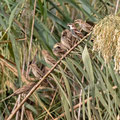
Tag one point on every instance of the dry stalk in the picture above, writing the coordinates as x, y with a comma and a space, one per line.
80, 98
52, 101
80, 104
18, 112
31, 36
12, 68
75, 107
44, 77
117, 4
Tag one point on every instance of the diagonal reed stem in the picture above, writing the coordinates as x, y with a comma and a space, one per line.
44, 77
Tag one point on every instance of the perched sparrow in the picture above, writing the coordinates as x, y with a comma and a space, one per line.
67, 33
75, 32
36, 71
25, 89
48, 59
84, 26
65, 41
68, 39
59, 49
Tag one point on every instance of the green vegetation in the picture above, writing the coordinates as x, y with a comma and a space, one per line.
83, 85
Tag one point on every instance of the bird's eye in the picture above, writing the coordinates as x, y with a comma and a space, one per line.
58, 47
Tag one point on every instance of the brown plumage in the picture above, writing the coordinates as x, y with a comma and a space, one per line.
67, 33
36, 71
83, 25
69, 38
65, 41
59, 49
75, 32
48, 59
66, 38
25, 89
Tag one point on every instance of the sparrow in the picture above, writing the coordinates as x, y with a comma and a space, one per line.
75, 32
59, 49
65, 40
25, 89
36, 71
67, 33
48, 59
84, 26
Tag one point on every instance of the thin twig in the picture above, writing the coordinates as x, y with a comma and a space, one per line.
51, 104
12, 66
52, 29
15, 105
18, 112
8, 41
45, 108
80, 104
22, 111
80, 100
31, 36
23, 66
52, 100
44, 77
117, 6
75, 107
